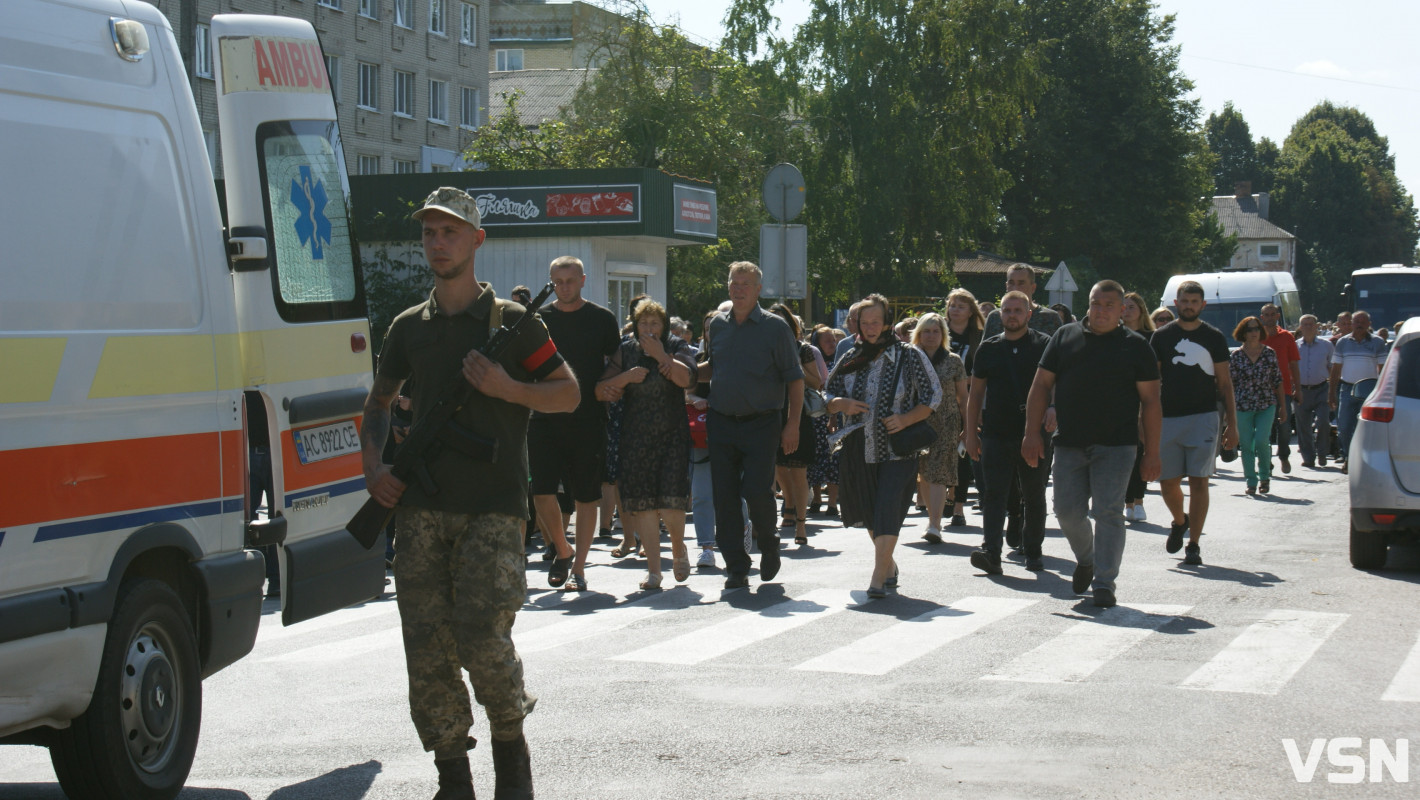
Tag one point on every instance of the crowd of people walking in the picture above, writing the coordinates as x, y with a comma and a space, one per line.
867, 421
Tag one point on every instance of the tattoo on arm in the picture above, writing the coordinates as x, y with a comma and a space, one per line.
376, 425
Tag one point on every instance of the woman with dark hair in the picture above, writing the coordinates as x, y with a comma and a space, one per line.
653, 370
1257, 388
823, 475
791, 470
1136, 318
611, 394
882, 387
964, 326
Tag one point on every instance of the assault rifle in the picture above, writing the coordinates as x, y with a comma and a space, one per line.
436, 430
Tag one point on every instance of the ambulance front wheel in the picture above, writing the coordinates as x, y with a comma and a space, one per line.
139, 734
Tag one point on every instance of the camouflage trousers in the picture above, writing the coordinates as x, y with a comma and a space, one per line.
461, 581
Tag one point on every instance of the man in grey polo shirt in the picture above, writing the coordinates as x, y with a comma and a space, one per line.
753, 362
1313, 371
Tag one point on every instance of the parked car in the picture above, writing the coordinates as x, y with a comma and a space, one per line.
1385, 457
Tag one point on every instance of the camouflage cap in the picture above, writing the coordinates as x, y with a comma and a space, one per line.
451, 201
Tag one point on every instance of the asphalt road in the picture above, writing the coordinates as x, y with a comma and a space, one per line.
958, 685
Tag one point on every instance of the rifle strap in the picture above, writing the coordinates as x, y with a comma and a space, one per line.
495, 318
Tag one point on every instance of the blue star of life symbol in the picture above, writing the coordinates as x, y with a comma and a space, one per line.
309, 197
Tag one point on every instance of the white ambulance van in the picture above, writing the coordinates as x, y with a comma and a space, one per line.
1234, 296
135, 332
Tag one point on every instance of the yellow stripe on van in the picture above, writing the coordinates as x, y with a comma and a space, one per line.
314, 351
134, 366
31, 368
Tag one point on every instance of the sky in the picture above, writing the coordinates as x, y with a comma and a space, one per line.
1273, 59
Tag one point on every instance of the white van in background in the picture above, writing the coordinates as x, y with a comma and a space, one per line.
135, 335
1232, 296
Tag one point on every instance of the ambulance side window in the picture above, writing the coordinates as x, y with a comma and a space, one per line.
315, 276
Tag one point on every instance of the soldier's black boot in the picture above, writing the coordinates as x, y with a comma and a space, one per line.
513, 769
455, 779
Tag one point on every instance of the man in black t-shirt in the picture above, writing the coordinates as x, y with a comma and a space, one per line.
1106, 382
1193, 364
570, 449
995, 422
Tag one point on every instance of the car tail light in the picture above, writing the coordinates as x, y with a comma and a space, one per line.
1378, 413
357, 343
1384, 519
1380, 406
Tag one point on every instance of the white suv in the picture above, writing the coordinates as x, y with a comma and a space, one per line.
1385, 457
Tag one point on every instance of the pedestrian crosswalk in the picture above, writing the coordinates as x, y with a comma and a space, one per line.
1033, 639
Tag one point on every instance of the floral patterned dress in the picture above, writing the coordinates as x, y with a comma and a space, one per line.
939, 465
653, 456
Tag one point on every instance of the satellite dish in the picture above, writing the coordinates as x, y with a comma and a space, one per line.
784, 192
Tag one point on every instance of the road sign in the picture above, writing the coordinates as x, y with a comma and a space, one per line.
784, 192
784, 260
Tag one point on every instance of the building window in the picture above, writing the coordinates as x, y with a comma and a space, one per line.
370, 8
202, 53
619, 291
438, 101
507, 60
403, 167
369, 96
404, 13
468, 107
404, 93
335, 4
436, 16
468, 24
332, 72
369, 165
438, 168
1269, 252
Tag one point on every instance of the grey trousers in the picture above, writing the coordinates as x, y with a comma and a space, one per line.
1094, 479
1314, 423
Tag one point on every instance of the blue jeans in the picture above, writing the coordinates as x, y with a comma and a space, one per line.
1094, 479
1348, 413
702, 497
1253, 430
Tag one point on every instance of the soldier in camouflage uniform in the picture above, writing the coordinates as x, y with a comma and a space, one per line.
459, 565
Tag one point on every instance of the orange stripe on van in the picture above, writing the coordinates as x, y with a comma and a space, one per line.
82, 480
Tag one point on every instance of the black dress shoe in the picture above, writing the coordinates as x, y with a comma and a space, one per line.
736, 580
1080, 581
986, 561
769, 560
1104, 598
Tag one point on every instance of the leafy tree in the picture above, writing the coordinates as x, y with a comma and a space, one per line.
908, 102
1112, 164
662, 102
1231, 141
1267, 155
1337, 192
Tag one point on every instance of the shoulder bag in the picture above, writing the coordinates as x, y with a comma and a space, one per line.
916, 437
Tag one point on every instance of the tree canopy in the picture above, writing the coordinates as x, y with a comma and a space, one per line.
1231, 141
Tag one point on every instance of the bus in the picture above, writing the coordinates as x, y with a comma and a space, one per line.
1389, 293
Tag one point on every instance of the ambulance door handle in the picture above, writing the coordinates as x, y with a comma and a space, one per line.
246, 247
264, 532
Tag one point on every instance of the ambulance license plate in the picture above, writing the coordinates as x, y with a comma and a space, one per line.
326, 441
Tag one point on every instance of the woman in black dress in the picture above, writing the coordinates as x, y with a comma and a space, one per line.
791, 470
653, 370
964, 326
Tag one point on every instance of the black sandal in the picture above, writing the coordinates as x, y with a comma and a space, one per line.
557, 573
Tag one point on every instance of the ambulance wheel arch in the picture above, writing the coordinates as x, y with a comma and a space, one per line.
138, 737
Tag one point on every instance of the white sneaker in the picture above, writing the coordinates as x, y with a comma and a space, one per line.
707, 558
1129, 513
1139, 515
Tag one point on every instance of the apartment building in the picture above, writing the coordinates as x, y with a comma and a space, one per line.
410, 77
538, 35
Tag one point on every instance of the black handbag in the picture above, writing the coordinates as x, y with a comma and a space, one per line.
916, 437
